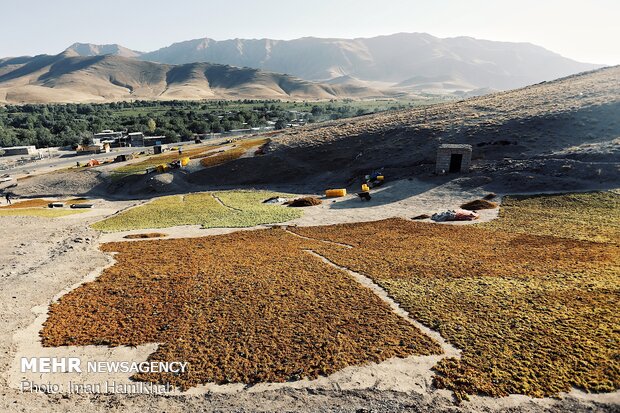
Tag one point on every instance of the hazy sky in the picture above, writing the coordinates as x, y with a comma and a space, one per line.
586, 30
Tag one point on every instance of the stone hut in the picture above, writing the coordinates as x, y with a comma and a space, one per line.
453, 158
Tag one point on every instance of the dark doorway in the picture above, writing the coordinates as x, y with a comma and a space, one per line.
455, 162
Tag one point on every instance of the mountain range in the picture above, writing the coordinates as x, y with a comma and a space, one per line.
68, 77
405, 60
305, 68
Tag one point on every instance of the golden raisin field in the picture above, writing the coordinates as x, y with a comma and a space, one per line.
593, 216
247, 307
236, 152
154, 160
533, 314
28, 203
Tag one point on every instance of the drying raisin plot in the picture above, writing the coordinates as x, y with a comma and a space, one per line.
533, 314
247, 307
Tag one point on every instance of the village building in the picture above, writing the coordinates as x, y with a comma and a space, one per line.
93, 148
136, 139
155, 140
19, 150
114, 139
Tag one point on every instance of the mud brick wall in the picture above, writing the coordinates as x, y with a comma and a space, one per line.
444, 154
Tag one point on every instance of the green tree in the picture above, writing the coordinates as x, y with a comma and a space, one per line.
280, 124
86, 140
151, 125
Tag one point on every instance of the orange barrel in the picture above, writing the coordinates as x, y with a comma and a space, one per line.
334, 193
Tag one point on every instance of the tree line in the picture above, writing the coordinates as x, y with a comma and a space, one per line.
46, 125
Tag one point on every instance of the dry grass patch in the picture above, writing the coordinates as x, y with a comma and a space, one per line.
533, 314
225, 209
246, 307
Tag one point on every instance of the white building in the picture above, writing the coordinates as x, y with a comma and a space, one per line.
19, 150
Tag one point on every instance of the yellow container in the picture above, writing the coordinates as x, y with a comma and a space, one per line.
380, 178
334, 193
162, 168
365, 188
184, 161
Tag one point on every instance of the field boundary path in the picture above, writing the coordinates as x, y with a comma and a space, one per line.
447, 348
219, 201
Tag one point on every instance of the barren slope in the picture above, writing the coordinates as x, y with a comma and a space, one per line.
69, 77
89, 49
566, 129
